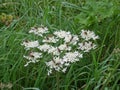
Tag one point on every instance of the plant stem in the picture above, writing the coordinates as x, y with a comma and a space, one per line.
58, 80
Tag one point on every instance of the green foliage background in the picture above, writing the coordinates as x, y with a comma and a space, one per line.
99, 70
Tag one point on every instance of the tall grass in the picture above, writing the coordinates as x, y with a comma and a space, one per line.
99, 70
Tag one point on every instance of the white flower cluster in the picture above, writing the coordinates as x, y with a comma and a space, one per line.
87, 35
86, 46
30, 44
61, 64
39, 30
63, 47
33, 57
67, 36
49, 39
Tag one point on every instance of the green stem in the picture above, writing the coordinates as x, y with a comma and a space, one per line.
58, 80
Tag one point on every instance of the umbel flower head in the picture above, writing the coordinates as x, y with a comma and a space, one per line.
87, 35
30, 44
62, 47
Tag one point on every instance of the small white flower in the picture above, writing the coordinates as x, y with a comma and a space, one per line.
45, 47
67, 38
50, 64
39, 30
33, 57
64, 69
50, 40
61, 33
30, 44
67, 64
54, 51
49, 72
33, 30
87, 46
74, 40
57, 68
27, 63
64, 47
72, 57
57, 60
87, 35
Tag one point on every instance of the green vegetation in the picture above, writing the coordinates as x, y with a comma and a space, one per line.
99, 70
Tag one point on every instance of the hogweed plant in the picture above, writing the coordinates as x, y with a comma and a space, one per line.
62, 47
